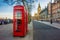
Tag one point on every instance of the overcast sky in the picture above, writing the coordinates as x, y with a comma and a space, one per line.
7, 11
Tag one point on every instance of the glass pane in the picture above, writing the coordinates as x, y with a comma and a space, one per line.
18, 15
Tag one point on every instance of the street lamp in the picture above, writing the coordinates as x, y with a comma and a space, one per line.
51, 13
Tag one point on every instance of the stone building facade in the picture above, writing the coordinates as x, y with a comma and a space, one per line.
55, 10
44, 14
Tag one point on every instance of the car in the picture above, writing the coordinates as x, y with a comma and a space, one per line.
5, 21
1, 21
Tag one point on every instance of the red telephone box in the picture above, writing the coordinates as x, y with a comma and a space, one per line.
20, 21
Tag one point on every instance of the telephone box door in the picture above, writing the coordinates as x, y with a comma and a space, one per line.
18, 16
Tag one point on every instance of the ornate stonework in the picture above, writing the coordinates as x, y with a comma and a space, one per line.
39, 8
38, 11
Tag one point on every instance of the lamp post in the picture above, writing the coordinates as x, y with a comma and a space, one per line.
51, 13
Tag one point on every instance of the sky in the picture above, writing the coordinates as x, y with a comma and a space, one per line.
7, 10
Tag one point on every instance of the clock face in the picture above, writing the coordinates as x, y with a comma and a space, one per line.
39, 9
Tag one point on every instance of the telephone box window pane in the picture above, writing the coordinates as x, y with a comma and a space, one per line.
18, 15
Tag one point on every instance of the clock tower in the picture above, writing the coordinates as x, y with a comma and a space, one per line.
38, 11
39, 8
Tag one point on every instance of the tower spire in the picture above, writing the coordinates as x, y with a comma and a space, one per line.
39, 8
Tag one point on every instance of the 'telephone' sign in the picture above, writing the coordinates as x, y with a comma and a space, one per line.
19, 8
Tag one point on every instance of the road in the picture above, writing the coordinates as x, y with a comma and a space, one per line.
6, 33
43, 31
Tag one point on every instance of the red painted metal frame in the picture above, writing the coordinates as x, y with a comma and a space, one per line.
24, 26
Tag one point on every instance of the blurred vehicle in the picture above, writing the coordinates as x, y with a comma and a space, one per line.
10, 20
1, 21
5, 21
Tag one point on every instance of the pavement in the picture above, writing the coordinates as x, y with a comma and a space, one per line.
57, 25
6, 32
29, 36
42, 31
